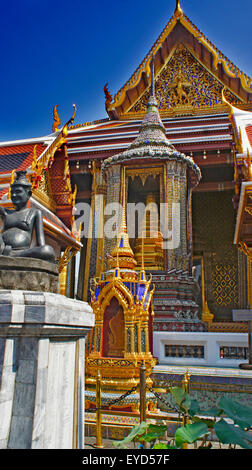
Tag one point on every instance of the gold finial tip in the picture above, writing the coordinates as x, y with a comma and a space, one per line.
178, 9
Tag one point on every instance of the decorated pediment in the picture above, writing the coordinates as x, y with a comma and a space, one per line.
190, 72
184, 85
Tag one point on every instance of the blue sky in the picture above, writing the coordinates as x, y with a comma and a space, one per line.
64, 52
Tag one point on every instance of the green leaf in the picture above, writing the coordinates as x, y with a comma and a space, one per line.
208, 422
194, 408
161, 445
157, 428
190, 433
136, 431
210, 412
239, 413
230, 434
155, 431
182, 398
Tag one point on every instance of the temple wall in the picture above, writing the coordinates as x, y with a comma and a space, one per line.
224, 269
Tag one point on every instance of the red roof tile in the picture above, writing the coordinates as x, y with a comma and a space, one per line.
249, 134
18, 157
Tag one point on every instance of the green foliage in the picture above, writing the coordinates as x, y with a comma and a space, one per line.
136, 433
182, 398
190, 433
240, 414
230, 434
155, 431
231, 429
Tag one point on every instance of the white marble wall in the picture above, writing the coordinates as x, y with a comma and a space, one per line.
42, 353
210, 341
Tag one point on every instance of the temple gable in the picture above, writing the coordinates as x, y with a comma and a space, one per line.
184, 85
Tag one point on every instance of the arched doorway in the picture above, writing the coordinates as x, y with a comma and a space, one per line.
113, 330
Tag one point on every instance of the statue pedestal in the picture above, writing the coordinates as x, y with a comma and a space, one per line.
42, 351
28, 274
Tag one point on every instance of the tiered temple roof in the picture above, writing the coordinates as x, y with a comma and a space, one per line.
47, 165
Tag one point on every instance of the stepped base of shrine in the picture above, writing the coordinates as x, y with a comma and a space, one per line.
174, 302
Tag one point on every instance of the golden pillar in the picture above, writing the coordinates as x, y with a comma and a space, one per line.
95, 230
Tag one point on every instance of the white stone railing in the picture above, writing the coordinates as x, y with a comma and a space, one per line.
200, 349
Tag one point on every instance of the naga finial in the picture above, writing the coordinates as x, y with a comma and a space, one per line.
108, 96
224, 99
70, 121
56, 119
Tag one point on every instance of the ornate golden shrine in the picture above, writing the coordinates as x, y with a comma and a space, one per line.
122, 302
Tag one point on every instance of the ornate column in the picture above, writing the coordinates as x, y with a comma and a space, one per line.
113, 181
176, 186
95, 242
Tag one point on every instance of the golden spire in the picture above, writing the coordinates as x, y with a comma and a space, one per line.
142, 272
178, 10
122, 255
34, 158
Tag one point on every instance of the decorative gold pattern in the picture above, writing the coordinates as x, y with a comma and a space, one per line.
184, 83
224, 284
230, 69
66, 257
245, 249
43, 192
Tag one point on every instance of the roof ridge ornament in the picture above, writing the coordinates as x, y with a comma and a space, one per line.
56, 119
224, 100
178, 12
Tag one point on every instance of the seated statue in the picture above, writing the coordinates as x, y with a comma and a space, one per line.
20, 223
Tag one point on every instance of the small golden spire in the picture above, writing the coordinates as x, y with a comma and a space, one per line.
142, 272
178, 10
34, 158
123, 251
11, 182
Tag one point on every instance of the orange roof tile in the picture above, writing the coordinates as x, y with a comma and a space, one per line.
249, 133
18, 157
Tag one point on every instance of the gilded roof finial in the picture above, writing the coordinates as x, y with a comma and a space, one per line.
227, 102
56, 119
178, 10
108, 96
70, 121
34, 158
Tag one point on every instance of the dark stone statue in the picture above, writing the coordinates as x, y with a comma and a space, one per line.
20, 223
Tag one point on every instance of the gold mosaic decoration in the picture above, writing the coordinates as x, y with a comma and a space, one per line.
183, 83
44, 191
224, 284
